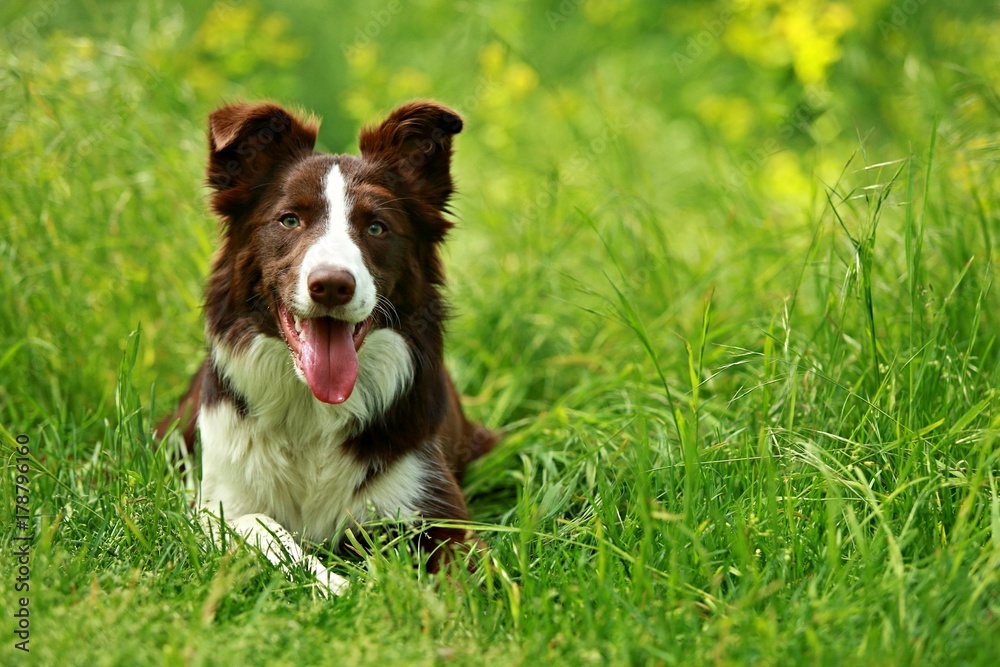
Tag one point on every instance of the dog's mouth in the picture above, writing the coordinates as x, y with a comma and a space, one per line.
325, 350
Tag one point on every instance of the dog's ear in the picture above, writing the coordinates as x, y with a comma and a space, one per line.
415, 143
246, 143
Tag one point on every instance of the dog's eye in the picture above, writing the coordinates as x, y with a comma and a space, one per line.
289, 221
376, 229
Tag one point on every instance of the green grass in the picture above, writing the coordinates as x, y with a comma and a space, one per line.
747, 364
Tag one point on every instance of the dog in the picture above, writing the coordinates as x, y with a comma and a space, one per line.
324, 401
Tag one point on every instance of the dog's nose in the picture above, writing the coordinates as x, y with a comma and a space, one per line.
331, 287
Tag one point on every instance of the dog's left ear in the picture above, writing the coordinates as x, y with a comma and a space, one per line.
415, 143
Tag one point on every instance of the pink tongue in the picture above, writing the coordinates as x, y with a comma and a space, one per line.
329, 359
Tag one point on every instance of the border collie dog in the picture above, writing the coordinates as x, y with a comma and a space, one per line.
324, 400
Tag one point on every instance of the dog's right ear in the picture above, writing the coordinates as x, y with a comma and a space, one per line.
246, 143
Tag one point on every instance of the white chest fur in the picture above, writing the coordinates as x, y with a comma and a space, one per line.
286, 458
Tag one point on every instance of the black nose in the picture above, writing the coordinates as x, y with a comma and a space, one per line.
331, 287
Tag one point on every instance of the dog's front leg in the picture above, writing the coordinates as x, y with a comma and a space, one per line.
280, 547
446, 544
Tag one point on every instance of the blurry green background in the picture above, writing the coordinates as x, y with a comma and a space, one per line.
724, 121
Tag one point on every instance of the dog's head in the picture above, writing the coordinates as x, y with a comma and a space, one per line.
320, 249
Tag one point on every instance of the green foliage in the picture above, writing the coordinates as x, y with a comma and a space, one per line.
723, 273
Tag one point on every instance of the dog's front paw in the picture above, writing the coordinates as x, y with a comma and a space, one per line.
331, 584
328, 583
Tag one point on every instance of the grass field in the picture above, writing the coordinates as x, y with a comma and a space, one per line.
723, 273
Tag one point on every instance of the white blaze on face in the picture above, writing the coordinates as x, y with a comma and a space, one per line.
325, 338
336, 249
